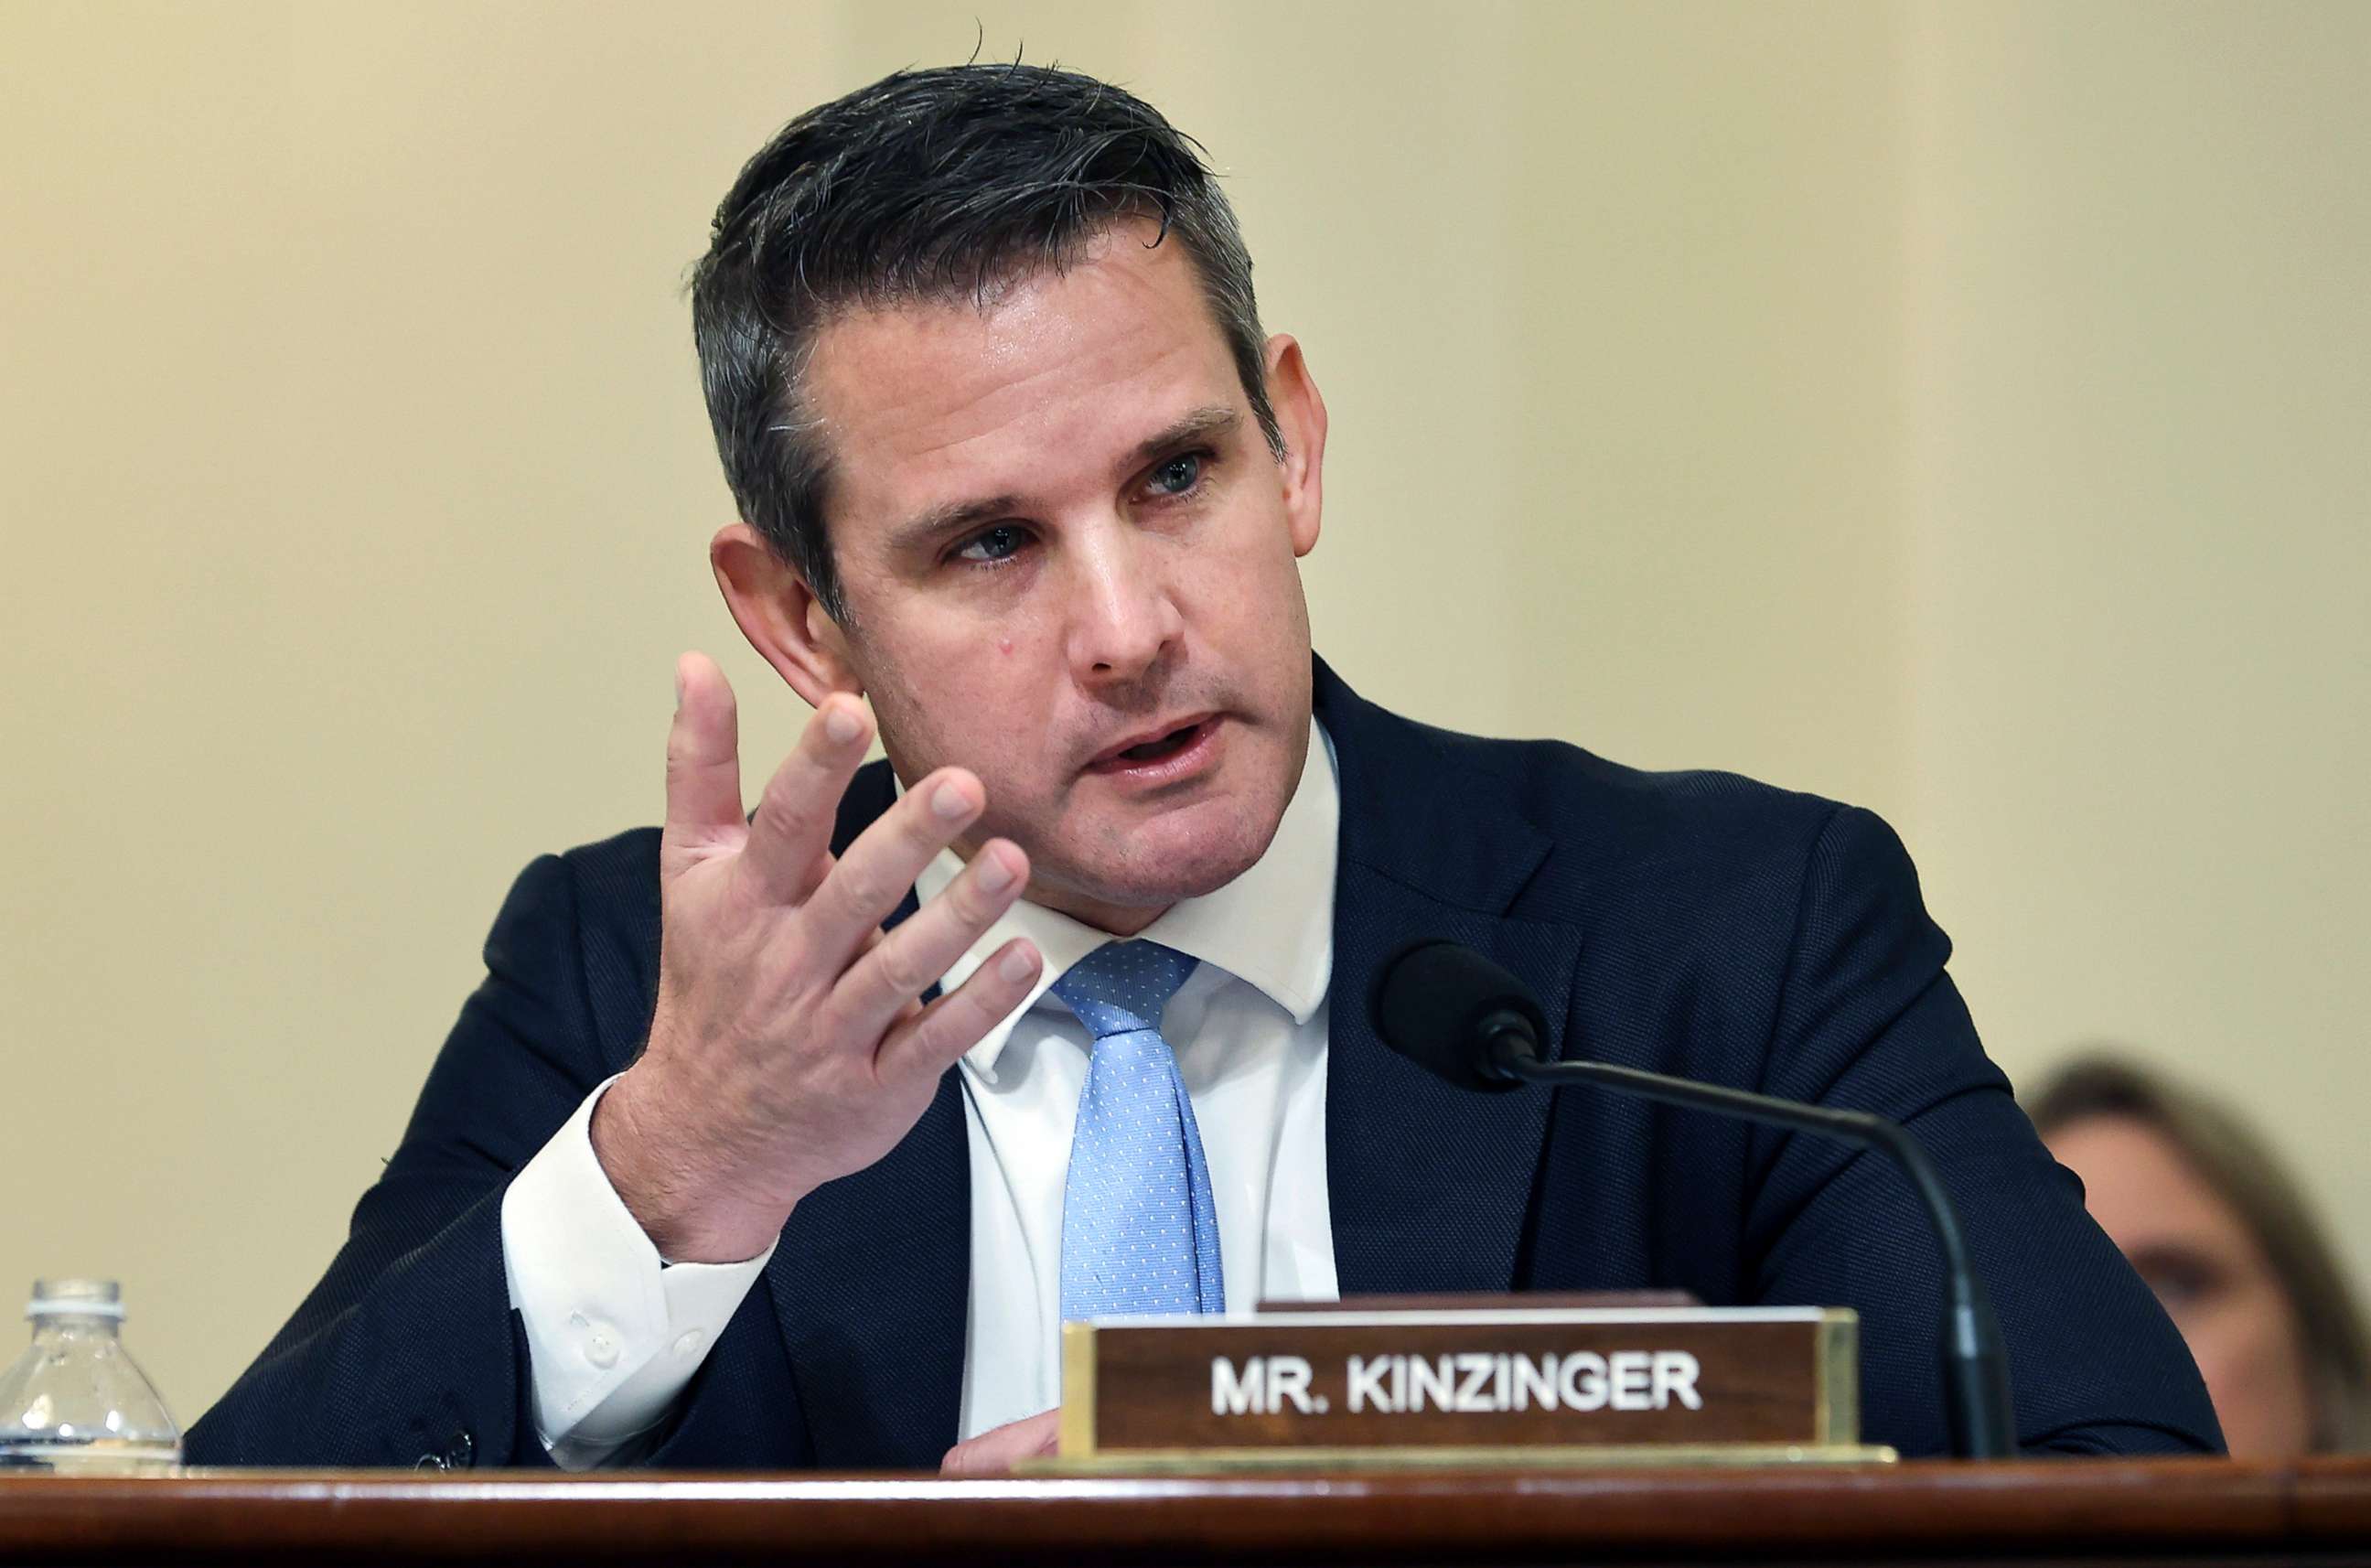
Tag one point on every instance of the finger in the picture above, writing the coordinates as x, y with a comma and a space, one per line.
934, 1040
791, 834
909, 960
998, 1449
703, 762
875, 872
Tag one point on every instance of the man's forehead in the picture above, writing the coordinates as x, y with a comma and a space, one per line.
1104, 354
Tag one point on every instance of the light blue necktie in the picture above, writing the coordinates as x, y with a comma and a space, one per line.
1139, 1231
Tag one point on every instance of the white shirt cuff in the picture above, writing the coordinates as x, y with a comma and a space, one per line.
613, 1335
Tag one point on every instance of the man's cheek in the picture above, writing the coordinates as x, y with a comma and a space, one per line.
1016, 765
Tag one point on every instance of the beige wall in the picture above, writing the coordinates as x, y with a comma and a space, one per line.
1952, 409
2140, 378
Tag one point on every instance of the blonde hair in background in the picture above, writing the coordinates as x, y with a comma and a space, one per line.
2233, 1159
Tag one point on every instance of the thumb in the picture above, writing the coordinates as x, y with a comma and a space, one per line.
996, 1451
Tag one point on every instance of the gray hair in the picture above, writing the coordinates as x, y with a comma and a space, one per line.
929, 185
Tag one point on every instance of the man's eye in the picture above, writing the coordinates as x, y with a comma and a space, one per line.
999, 543
1176, 476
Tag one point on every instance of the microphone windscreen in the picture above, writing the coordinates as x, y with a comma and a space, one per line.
1431, 1003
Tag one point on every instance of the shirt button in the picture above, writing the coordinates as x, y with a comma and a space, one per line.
601, 1351
692, 1341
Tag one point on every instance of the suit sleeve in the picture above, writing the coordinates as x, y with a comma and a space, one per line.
407, 1352
1868, 1020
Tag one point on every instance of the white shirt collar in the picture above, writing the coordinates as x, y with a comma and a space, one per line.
1272, 926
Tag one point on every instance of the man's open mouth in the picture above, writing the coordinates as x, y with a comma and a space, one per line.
1168, 743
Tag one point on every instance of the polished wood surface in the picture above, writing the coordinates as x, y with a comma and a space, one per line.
2197, 1511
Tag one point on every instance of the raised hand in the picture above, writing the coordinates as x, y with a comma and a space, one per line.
788, 1047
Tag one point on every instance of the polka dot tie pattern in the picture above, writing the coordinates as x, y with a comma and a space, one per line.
1139, 1230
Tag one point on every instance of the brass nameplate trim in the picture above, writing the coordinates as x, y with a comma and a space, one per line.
1651, 1456
1075, 1429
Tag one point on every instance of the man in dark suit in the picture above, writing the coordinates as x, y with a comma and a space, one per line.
790, 1140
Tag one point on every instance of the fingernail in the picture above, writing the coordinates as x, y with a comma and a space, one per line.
994, 874
950, 802
1016, 966
840, 722
678, 683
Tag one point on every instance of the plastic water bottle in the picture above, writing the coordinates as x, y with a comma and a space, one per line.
74, 1403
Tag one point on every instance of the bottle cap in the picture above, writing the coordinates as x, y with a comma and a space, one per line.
75, 1298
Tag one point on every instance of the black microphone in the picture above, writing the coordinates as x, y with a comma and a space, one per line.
1456, 1014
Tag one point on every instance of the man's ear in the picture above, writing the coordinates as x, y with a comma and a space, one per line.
780, 615
1301, 417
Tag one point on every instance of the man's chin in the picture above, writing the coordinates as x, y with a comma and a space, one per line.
1098, 892
1156, 865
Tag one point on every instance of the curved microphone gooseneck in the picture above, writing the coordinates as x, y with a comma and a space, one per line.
1465, 1018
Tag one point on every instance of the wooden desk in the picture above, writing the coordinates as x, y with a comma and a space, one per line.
2186, 1511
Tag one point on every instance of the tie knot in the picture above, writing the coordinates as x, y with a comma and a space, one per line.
1121, 987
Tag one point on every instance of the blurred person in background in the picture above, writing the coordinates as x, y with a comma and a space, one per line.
2225, 1236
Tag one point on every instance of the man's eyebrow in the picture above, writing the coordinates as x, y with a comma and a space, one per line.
1202, 422
956, 516
952, 518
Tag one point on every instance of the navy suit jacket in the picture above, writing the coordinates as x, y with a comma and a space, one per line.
1695, 924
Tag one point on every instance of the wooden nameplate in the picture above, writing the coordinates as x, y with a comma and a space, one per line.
1512, 1383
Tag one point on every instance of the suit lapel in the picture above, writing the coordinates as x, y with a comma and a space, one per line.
1430, 1186
872, 1280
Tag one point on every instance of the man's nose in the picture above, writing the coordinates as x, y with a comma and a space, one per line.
1124, 617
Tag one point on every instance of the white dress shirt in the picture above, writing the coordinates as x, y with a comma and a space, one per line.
615, 1335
